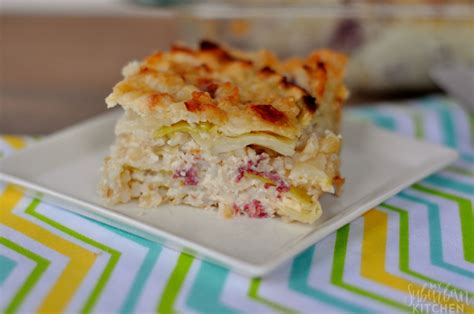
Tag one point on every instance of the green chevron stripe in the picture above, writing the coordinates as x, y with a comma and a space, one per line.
139, 281
471, 123
253, 294
460, 170
418, 122
466, 216
419, 133
41, 265
174, 284
435, 236
114, 254
404, 252
300, 272
337, 275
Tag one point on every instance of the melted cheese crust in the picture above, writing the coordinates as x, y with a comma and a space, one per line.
237, 92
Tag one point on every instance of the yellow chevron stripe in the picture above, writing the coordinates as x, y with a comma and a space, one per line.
80, 259
14, 141
374, 246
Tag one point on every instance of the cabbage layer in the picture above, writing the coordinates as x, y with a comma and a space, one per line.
205, 134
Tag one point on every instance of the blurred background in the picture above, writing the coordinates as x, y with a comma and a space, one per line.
60, 59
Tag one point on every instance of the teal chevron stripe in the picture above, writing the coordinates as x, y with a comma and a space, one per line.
447, 123
380, 119
445, 118
434, 225
139, 281
385, 122
337, 275
467, 157
444, 109
450, 138
439, 180
404, 245
449, 107
114, 255
42, 265
300, 271
154, 250
7, 265
466, 217
206, 289
254, 295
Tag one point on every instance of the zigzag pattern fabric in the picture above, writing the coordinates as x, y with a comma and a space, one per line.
414, 252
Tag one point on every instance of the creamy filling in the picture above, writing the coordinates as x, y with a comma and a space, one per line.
241, 182
194, 164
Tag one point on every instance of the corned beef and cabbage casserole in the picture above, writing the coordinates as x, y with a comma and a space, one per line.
243, 133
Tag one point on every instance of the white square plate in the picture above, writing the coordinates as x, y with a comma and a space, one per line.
377, 164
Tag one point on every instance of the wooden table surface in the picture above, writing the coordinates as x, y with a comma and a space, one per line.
56, 70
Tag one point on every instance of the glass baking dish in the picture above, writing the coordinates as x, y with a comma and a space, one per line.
392, 45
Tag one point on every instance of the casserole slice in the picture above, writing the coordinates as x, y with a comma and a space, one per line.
243, 133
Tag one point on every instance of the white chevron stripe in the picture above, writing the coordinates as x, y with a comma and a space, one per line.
275, 287
157, 281
353, 262
5, 148
3, 186
463, 130
431, 125
450, 190
458, 177
464, 164
404, 122
58, 263
17, 277
125, 271
393, 244
450, 229
420, 239
320, 275
393, 240
8, 149
187, 284
235, 295
96, 270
